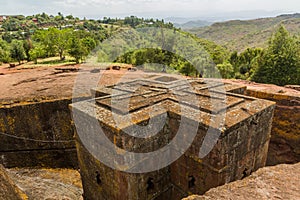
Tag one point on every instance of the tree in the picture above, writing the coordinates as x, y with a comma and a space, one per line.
76, 49
80, 45
234, 60
17, 51
280, 63
69, 17
37, 52
47, 38
245, 63
188, 69
54, 40
27, 44
89, 43
62, 41
226, 70
4, 52
132, 21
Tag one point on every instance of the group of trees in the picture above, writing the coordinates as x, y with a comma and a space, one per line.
48, 43
41, 36
13, 51
170, 48
278, 64
244, 64
21, 27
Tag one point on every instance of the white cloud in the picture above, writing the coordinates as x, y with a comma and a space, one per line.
158, 8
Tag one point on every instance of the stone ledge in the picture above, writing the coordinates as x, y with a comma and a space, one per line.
8, 189
278, 182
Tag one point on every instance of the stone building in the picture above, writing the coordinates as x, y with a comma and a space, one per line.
206, 135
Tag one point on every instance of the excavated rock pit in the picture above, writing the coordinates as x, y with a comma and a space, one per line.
24, 89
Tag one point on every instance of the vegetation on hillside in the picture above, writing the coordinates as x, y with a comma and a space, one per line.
192, 24
43, 36
139, 42
175, 49
238, 35
280, 62
40, 36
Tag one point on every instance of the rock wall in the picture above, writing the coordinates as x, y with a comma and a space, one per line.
47, 184
269, 183
285, 140
8, 189
37, 134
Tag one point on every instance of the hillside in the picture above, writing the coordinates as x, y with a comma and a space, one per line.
192, 24
239, 34
41, 36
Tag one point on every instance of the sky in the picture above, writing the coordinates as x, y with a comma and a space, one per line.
152, 8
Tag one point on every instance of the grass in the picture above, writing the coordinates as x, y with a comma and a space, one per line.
157, 68
49, 62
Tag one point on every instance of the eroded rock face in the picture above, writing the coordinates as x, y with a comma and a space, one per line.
35, 121
279, 182
285, 140
50, 184
37, 134
8, 189
284, 144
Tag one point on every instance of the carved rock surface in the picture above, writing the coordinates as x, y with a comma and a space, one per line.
50, 184
278, 182
8, 189
234, 151
284, 144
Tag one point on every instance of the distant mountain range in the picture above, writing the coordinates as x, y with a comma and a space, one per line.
193, 24
212, 16
240, 34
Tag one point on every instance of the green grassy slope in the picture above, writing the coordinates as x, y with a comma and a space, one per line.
238, 34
